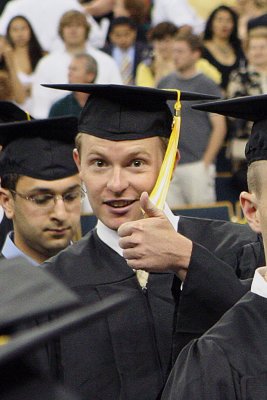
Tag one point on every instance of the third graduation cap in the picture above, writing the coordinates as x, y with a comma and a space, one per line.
28, 293
250, 108
119, 112
10, 112
40, 149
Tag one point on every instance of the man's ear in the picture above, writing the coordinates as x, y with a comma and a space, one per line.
76, 158
7, 202
248, 202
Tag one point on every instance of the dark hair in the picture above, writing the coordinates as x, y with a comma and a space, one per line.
138, 10
193, 41
208, 34
73, 16
9, 181
122, 21
35, 50
162, 30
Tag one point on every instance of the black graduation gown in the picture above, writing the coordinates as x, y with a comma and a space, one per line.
127, 354
229, 362
224, 256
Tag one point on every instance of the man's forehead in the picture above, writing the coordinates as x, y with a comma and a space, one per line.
89, 140
31, 184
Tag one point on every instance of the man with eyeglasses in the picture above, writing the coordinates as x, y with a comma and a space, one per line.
40, 187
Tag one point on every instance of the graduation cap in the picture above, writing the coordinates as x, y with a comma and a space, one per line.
26, 293
121, 112
41, 149
249, 108
10, 112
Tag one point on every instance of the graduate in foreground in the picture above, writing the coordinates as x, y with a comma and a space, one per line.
229, 362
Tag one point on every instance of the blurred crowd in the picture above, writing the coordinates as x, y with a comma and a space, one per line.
133, 42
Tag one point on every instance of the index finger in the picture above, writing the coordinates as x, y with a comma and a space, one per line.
125, 229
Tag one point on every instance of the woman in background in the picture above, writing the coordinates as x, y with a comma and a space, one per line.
222, 47
26, 52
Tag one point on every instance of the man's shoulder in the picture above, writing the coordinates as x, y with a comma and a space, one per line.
70, 253
245, 323
217, 235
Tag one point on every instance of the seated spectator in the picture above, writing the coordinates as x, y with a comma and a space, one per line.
247, 80
26, 53
160, 62
222, 47
248, 10
53, 68
259, 20
138, 11
11, 87
201, 136
82, 69
179, 12
124, 48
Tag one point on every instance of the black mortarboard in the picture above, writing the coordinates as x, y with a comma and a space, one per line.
26, 293
10, 112
40, 149
250, 108
120, 112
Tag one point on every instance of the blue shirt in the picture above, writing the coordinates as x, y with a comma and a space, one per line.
10, 250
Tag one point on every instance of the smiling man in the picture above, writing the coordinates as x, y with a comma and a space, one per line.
40, 187
122, 140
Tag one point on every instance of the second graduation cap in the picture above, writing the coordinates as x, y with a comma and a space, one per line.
250, 108
40, 149
28, 292
120, 112
10, 112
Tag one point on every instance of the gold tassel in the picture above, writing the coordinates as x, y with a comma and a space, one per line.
160, 190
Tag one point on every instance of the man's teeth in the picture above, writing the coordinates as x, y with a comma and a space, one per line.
119, 203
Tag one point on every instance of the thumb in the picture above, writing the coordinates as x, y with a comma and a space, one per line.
148, 207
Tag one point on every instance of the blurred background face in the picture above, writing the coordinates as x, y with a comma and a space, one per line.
184, 57
164, 47
222, 25
78, 71
123, 36
19, 32
257, 52
74, 34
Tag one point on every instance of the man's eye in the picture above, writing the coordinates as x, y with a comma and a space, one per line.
42, 198
99, 163
72, 196
137, 163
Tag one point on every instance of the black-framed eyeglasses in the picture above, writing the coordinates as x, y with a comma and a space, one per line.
48, 200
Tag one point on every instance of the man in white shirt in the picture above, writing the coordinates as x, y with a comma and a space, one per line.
230, 361
53, 68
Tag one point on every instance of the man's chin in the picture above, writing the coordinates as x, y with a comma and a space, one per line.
115, 223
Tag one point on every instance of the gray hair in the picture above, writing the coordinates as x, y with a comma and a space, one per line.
91, 64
